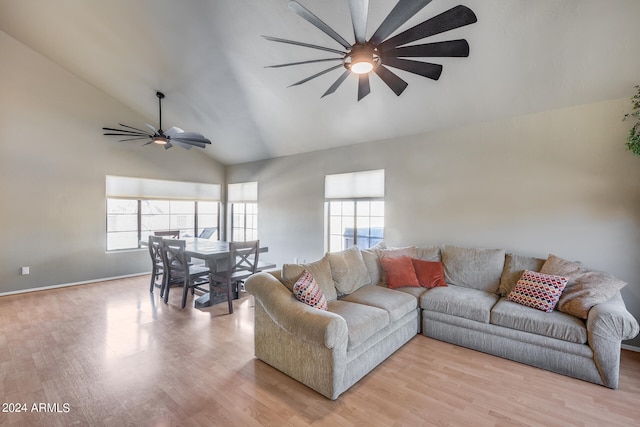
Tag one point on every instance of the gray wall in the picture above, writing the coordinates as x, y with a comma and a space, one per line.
53, 162
556, 182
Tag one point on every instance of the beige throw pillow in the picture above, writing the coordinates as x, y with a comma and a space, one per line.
585, 288
348, 270
321, 272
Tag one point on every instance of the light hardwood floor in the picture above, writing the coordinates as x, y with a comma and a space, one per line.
118, 356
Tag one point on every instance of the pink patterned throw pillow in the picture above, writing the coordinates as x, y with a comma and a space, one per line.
307, 290
538, 290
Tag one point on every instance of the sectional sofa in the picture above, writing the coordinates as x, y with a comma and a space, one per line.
366, 304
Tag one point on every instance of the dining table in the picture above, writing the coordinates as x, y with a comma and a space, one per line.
214, 253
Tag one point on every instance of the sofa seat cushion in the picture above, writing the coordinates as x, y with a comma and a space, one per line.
459, 301
396, 304
363, 321
556, 324
416, 292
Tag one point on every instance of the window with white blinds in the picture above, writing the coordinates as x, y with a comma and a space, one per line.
354, 209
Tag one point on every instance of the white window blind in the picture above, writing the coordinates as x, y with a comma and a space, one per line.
243, 192
354, 185
156, 189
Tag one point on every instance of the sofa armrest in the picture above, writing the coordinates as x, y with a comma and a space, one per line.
607, 325
611, 321
306, 323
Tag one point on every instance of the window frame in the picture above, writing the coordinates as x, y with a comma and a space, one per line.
355, 201
244, 228
139, 216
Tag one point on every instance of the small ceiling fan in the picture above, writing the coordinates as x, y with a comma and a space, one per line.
173, 136
376, 53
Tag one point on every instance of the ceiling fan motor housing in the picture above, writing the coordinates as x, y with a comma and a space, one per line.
365, 54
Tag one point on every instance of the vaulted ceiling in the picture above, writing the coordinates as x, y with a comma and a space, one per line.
208, 58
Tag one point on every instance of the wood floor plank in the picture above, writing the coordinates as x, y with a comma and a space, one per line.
118, 356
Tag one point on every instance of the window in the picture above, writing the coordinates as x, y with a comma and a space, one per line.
244, 222
355, 222
129, 221
243, 207
354, 206
138, 207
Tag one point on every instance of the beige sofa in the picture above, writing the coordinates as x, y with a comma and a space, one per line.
366, 322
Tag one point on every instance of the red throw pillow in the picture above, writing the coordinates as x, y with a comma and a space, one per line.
400, 272
430, 274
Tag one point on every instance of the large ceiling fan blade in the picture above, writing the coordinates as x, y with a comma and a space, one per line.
400, 14
192, 136
167, 145
120, 132
313, 61
312, 46
189, 142
425, 69
131, 139
449, 49
453, 18
180, 144
364, 88
316, 75
359, 14
395, 83
155, 132
317, 22
173, 131
337, 83
131, 127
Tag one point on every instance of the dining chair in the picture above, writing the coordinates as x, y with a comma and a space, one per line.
157, 264
172, 234
179, 270
241, 263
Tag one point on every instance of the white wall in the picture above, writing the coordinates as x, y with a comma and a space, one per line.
556, 182
53, 162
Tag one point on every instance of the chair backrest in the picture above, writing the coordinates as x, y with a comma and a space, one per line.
174, 256
206, 233
174, 234
155, 250
243, 258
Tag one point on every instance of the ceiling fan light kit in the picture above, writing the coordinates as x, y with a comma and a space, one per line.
173, 136
380, 52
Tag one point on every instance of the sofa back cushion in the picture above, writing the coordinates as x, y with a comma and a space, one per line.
321, 272
514, 266
372, 262
348, 270
429, 253
479, 269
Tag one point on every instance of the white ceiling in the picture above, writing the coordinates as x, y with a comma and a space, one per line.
207, 56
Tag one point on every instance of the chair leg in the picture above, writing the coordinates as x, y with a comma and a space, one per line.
153, 278
166, 287
185, 288
230, 297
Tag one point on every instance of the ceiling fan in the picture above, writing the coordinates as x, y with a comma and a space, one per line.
173, 136
376, 53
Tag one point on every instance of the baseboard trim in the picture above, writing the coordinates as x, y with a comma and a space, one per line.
66, 285
631, 348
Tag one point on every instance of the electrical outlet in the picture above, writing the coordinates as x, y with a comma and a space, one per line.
25, 271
